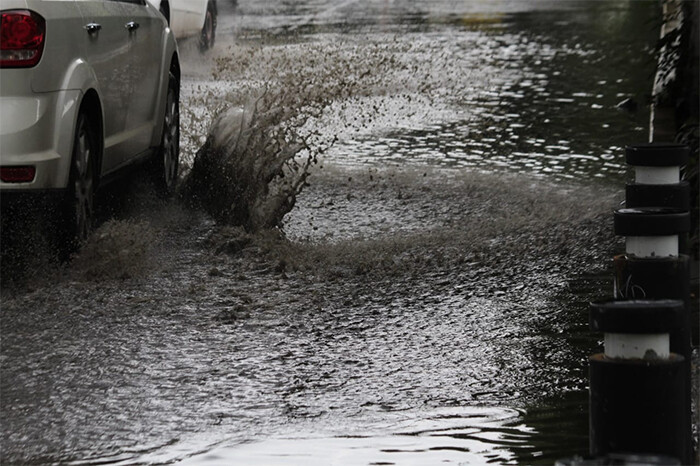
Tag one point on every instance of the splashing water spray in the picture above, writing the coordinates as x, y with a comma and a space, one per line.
261, 147
252, 166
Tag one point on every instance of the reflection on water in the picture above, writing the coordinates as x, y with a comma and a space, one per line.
465, 435
470, 435
536, 92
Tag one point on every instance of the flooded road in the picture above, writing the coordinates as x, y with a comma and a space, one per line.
427, 299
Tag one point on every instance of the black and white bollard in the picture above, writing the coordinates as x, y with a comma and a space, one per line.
657, 179
652, 267
640, 386
637, 389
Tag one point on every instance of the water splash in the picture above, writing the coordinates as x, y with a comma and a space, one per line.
252, 166
118, 249
267, 133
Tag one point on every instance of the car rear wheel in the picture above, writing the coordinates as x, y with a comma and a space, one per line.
208, 35
166, 162
78, 205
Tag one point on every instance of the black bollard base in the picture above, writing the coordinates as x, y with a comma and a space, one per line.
657, 278
674, 196
657, 154
638, 406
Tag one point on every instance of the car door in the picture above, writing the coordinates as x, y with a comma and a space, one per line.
107, 53
146, 27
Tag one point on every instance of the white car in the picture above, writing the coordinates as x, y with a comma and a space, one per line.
88, 88
190, 18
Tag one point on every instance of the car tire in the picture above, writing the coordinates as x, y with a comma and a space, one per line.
208, 35
167, 158
77, 208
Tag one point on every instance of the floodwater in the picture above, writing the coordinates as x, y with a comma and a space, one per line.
427, 301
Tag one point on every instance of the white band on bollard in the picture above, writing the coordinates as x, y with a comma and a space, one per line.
652, 246
657, 175
637, 346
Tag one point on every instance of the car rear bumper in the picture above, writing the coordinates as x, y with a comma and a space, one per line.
37, 131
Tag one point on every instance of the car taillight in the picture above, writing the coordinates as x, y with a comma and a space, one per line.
17, 174
21, 38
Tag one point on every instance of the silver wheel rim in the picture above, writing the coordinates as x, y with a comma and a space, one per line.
171, 136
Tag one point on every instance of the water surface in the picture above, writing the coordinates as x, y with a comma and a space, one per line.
429, 302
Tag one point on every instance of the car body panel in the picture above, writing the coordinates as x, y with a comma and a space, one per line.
21, 120
126, 70
107, 51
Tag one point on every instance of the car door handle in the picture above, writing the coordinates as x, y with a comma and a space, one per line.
92, 28
131, 26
